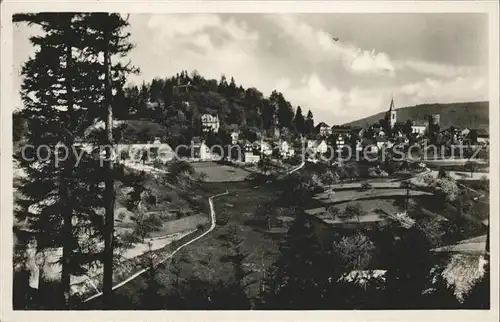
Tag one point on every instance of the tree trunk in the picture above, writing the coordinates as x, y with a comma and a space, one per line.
407, 199
109, 194
67, 231
488, 242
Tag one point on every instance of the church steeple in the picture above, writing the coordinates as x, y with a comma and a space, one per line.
392, 113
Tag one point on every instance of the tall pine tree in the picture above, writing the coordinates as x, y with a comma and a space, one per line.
54, 106
105, 34
299, 121
309, 123
63, 94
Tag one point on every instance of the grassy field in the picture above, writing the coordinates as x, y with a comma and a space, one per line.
203, 258
220, 173
377, 194
175, 226
370, 205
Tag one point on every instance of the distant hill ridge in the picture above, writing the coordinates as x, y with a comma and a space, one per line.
469, 114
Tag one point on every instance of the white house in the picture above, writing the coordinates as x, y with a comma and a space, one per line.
419, 127
210, 123
285, 149
234, 137
154, 151
266, 148
317, 146
248, 146
483, 136
262, 147
465, 132
199, 150
250, 157
359, 146
341, 141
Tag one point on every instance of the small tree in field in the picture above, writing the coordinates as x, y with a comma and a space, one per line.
354, 252
328, 177
407, 186
333, 212
442, 174
267, 213
366, 186
352, 211
124, 155
470, 166
265, 165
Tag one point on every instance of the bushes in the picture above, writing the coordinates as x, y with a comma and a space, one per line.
222, 219
333, 212
171, 197
157, 163
141, 131
366, 186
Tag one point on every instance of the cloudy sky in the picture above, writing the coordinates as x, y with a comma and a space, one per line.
416, 58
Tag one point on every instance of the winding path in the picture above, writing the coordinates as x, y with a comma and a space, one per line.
212, 227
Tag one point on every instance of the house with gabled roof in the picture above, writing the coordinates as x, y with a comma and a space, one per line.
284, 148
199, 150
323, 129
419, 127
317, 146
210, 123
483, 136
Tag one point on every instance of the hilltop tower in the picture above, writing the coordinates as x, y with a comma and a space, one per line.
435, 119
392, 114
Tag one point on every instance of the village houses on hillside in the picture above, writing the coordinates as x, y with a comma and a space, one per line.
278, 143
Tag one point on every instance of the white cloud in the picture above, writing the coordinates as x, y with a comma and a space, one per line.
435, 69
320, 46
282, 84
326, 103
410, 89
214, 46
330, 104
211, 44
182, 25
203, 42
445, 91
370, 62
365, 100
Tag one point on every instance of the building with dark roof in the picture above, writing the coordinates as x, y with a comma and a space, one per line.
323, 129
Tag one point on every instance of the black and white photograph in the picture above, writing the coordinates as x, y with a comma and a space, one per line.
221, 160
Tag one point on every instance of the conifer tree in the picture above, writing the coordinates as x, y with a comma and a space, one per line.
63, 95
309, 123
299, 121
52, 107
105, 35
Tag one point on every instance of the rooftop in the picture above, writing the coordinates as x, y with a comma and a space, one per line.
322, 124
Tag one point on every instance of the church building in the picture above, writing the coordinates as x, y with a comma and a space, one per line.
392, 114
